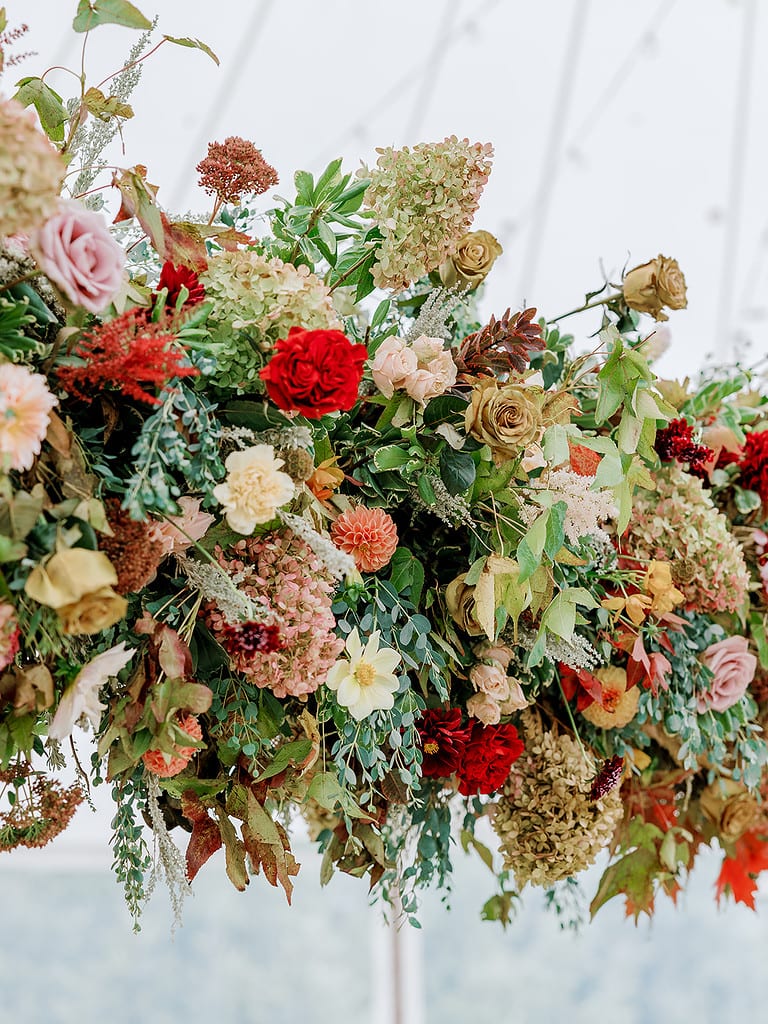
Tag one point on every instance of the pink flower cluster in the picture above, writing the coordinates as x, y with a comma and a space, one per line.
424, 369
497, 693
284, 577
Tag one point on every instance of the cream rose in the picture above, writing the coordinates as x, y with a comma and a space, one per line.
93, 612
471, 263
734, 669
255, 488
651, 286
491, 680
392, 365
485, 708
505, 417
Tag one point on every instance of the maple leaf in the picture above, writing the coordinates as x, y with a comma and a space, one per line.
738, 873
206, 834
633, 876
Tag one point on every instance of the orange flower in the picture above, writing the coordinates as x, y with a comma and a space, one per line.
636, 606
325, 479
368, 534
167, 765
658, 583
619, 705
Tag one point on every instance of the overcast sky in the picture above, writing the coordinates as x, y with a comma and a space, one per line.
622, 129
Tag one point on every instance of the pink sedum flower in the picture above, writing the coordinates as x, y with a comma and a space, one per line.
76, 251
734, 669
25, 407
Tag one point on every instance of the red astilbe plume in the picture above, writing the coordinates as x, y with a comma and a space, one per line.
129, 354
234, 168
502, 346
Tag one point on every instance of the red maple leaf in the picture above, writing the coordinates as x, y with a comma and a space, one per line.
738, 873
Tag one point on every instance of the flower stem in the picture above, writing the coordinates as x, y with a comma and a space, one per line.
587, 305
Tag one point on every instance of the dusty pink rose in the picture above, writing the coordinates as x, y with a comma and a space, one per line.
485, 708
734, 669
176, 533
436, 370
392, 364
516, 700
491, 680
496, 652
76, 251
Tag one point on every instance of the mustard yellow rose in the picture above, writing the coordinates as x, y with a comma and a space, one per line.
93, 612
652, 286
471, 263
504, 416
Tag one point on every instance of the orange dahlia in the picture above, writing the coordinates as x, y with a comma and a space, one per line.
368, 534
167, 765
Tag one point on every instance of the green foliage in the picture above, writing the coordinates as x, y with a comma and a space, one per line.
131, 856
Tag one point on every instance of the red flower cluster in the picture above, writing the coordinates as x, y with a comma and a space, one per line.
753, 465
234, 168
480, 755
245, 639
675, 443
126, 353
607, 778
314, 372
174, 279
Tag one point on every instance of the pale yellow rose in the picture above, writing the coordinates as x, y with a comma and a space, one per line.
255, 488
652, 286
69, 575
93, 612
471, 263
730, 807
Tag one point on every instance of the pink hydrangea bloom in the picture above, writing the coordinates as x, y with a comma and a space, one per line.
25, 407
285, 578
76, 251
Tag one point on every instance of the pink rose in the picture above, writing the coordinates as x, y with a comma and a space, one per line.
734, 669
516, 700
496, 652
485, 708
436, 370
177, 533
392, 364
490, 679
76, 251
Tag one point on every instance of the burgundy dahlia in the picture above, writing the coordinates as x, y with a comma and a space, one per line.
245, 639
443, 739
675, 443
488, 757
753, 465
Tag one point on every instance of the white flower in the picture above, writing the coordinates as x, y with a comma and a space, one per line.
367, 682
254, 489
82, 697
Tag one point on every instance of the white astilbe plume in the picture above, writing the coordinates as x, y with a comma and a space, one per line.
433, 315
576, 653
338, 563
587, 509
451, 508
278, 437
217, 586
169, 863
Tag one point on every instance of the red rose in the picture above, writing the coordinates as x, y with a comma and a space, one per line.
314, 372
443, 739
490, 753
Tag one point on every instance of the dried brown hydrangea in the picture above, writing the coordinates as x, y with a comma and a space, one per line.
42, 809
131, 549
549, 826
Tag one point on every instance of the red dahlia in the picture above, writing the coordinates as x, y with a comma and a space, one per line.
314, 372
174, 279
488, 757
443, 740
753, 466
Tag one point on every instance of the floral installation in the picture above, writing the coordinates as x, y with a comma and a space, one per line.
301, 541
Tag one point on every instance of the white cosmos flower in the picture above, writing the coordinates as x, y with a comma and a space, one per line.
82, 696
366, 682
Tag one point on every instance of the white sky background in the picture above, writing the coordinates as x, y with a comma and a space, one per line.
617, 126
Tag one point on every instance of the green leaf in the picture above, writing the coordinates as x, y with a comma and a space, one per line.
444, 407
92, 13
634, 876
195, 44
48, 104
457, 470
390, 456
555, 529
289, 754
305, 187
746, 501
105, 107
